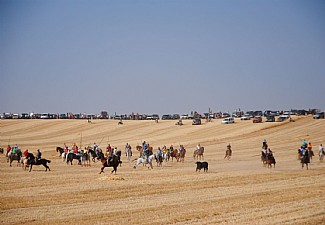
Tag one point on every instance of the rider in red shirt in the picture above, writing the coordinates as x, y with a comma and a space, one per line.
25, 153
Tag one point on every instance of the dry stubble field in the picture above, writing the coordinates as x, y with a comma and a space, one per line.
238, 191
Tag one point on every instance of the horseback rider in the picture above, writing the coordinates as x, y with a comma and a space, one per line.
96, 148
108, 149
14, 150
38, 155
8, 149
270, 153
229, 147
264, 150
159, 152
198, 146
145, 153
181, 148
304, 143
127, 149
264, 145
25, 154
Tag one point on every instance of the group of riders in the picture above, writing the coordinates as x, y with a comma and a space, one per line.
16, 152
305, 152
162, 152
267, 152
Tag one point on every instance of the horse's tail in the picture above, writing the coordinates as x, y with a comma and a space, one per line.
134, 159
49, 161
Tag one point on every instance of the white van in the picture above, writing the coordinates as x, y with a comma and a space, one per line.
228, 120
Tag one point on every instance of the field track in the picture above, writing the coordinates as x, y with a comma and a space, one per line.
236, 191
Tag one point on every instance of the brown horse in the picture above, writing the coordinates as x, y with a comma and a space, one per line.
139, 149
198, 153
264, 158
173, 154
305, 159
270, 160
181, 156
228, 154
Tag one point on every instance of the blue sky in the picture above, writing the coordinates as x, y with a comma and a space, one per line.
161, 56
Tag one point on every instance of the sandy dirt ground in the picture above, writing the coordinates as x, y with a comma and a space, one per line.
236, 191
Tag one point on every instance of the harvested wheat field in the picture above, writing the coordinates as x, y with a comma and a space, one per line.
236, 191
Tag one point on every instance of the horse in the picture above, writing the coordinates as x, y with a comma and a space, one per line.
159, 160
12, 157
173, 154
1, 150
305, 160
270, 160
31, 160
72, 156
114, 163
128, 153
60, 150
166, 155
181, 156
198, 153
85, 159
139, 149
92, 153
311, 154
228, 154
144, 161
321, 155
264, 158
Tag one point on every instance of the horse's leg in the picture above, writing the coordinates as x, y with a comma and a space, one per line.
102, 170
307, 166
30, 169
46, 167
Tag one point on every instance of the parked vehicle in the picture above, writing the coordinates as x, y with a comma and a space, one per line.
45, 116
63, 116
245, 117
176, 117
319, 115
270, 119
24, 116
15, 116
257, 119
228, 120
167, 117
7, 116
283, 118
196, 121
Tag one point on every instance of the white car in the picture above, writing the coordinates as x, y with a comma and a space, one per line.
228, 120
245, 117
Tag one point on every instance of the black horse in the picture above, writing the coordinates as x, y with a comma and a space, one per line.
72, 156
114, 161
92, 153
31, 160
159, 160
60, 150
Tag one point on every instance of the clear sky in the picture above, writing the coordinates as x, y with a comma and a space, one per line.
161, 56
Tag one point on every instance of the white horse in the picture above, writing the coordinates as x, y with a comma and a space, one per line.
64, 156
128, 153
144, 161
321, 155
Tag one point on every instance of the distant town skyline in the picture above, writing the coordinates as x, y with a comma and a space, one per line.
161, 56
